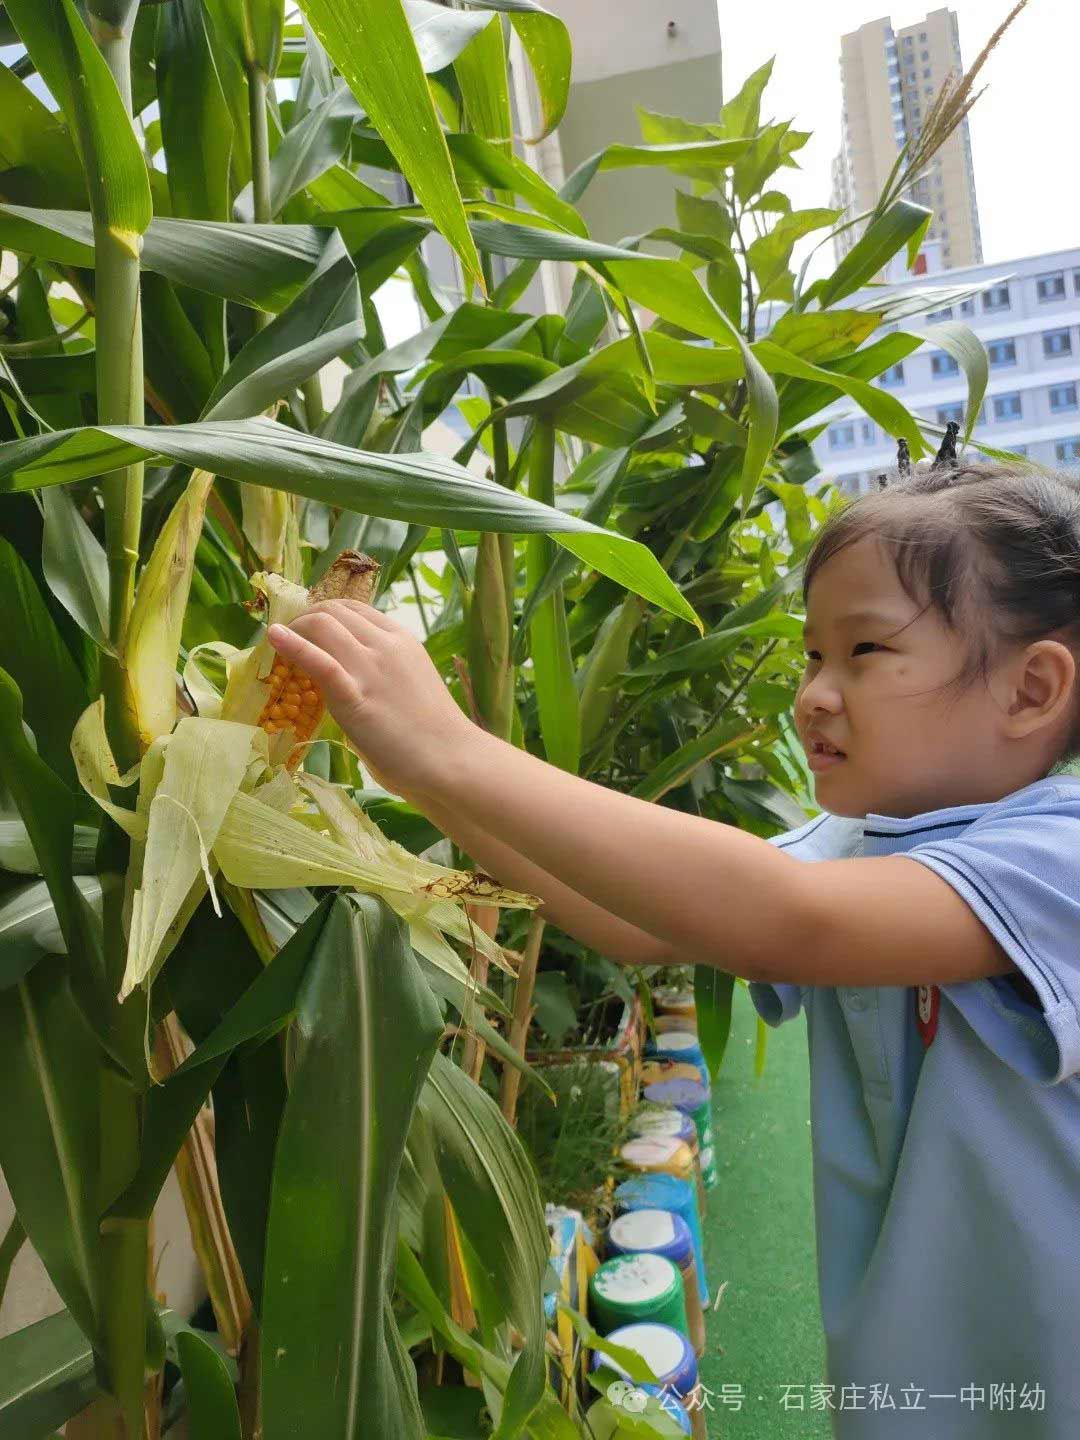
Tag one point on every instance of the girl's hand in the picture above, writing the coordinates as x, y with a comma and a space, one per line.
382, 689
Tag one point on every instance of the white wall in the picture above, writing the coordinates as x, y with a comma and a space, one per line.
634, 35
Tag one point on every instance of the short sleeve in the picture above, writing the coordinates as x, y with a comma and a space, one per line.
776, 1003
1020, 873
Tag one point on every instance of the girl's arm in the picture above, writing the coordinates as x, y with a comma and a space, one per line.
564, 907
710, 892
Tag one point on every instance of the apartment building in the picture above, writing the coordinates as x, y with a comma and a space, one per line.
1029, 323
890, 79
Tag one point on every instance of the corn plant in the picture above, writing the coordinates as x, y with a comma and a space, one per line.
198, 901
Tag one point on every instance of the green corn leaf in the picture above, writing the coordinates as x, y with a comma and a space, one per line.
264, 266
211, 1398
77, 74
553, 665
372, 46
33, 652
441, 34
675, 769
49, 1129
890, 414
366, 1032
424, 489
492, 1188
884, 236
324, 320
46, 1376
196, 128
263, 1008
482, 78
36, 152
961, 342
75, 566
546, 41
713, 993
29, 929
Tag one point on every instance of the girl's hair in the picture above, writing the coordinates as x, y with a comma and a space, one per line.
994, 548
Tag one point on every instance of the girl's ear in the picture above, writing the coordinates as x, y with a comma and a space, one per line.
1043, 687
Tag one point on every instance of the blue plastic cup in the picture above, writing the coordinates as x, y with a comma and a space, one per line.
668, 1192
680, 1045
669, 1355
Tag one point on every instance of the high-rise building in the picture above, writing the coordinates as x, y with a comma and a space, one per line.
1027, 317
890, 79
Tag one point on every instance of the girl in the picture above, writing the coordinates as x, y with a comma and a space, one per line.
934, 944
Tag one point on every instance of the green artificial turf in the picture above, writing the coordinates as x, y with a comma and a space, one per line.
759, 1237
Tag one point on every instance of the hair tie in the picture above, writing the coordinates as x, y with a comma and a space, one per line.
946, 457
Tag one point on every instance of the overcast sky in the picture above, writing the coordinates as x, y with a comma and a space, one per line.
1023, 130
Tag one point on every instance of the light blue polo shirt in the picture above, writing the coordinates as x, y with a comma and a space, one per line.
947, 1175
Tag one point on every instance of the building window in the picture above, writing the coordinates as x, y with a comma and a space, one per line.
1057, 342
841, 437
893, 376
947, 413
1020, 450
848, 483
967, 307
942, 364
922, 37
909, 39
996, 298
1001, 352
926, 76
1007, 407
935, 317
1050, 287
925, 56
1062, 397
869, 434
1068, 450
1076, 281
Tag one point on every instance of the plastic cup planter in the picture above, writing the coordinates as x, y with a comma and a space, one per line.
692, 1099
636, 1287
650, 1119
667, 1192
662, 1232
683, 1047
625, 1400
668, 1354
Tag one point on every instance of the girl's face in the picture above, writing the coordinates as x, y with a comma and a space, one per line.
872, 688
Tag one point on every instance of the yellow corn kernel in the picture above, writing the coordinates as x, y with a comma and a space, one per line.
293, 701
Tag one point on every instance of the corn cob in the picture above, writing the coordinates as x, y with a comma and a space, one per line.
293, 700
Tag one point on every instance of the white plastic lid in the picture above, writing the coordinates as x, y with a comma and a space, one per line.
678, 1040
659, 1346
658, 1120
651, 1149
634, 1279
643, 1229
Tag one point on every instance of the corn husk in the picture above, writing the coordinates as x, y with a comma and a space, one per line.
97, 770
205, 764
157, 616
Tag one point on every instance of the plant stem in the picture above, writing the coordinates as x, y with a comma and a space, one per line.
523, 1010
260, 145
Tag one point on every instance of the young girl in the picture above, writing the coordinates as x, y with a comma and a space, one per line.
939, 710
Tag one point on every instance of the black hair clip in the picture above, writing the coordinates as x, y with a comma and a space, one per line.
946, 457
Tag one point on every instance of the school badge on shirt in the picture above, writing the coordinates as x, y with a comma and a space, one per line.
927, 1005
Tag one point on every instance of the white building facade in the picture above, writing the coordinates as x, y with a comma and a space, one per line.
1029, 325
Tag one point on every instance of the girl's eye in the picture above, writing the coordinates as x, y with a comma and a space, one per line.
862, 645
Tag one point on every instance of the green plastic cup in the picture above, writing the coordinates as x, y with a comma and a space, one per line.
638, 1287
